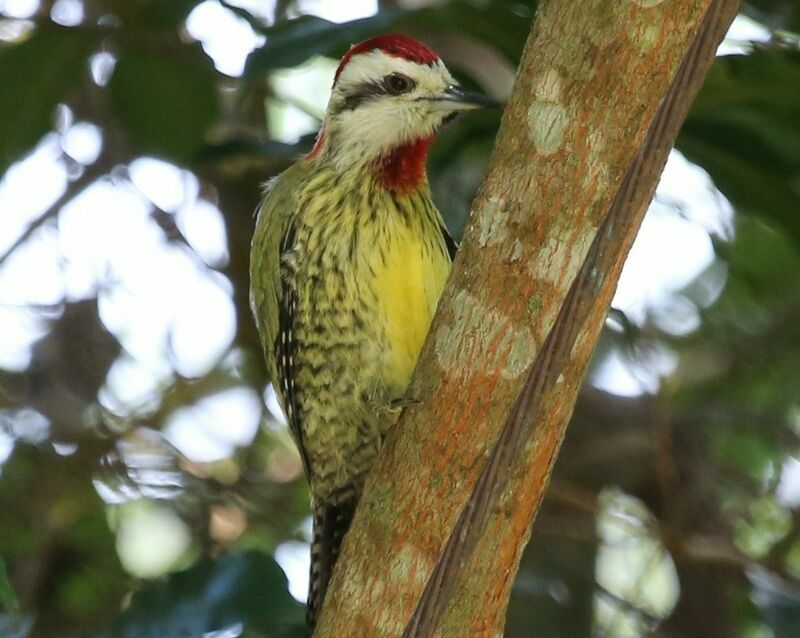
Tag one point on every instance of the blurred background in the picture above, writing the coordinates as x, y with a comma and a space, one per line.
148, 483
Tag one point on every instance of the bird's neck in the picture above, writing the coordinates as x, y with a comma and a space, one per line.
403, 168
399, 169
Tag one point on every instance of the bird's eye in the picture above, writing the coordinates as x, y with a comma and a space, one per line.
397, 83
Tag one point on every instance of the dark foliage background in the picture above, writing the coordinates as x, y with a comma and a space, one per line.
675, 507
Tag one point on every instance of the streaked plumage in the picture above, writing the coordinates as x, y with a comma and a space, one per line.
349, 258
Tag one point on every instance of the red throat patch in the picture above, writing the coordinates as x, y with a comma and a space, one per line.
396, 45
403, 168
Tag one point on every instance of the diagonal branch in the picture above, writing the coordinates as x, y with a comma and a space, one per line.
513, 450
591, 80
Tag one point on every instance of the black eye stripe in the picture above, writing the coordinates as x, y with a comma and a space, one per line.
392, 84
360, 94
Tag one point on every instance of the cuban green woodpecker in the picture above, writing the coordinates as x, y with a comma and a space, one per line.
348, 260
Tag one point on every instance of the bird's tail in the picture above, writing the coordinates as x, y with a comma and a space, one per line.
331, 522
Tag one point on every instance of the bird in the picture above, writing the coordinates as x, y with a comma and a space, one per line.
348, 260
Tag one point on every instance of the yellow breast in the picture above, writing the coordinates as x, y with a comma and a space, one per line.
409, 272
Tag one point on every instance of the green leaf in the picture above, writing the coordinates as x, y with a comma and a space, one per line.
242, 588
292, 43
751, 187
8, 599
256, 23
166, 14
774, 13
166, 101
36, 75
86, 589
743, 129
503, 25
764, 79
259, 148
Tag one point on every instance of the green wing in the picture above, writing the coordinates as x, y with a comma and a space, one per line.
265, 275
271, 297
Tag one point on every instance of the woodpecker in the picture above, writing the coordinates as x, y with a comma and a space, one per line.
348, 260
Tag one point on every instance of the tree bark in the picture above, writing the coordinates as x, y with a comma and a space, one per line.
590, 81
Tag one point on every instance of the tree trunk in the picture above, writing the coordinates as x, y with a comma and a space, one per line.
590, 81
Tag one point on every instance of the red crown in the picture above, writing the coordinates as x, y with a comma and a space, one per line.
397, 45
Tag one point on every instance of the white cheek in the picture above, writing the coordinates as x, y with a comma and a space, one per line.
377, 127
380, 125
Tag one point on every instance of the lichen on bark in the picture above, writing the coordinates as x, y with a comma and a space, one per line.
605, 86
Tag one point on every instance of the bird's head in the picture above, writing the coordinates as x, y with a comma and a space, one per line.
390, 95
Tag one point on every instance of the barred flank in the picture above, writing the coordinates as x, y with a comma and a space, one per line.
345, 278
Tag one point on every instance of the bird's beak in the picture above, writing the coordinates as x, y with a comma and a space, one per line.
454, 98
